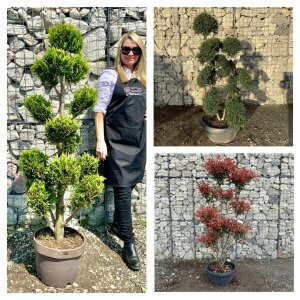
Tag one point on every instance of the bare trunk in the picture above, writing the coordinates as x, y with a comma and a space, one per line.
62, 95
59, 222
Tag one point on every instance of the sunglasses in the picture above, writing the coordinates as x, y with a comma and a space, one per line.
135, 50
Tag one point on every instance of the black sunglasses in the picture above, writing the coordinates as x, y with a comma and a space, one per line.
135, 50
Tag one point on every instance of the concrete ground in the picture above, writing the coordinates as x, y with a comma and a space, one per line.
275, 275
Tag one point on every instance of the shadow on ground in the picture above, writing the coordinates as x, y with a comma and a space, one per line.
102, 268
275, 275
268, 125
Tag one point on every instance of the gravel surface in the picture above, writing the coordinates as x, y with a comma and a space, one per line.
275, 275
267, 125
102, 268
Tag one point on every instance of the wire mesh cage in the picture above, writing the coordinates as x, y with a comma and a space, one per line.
266, 35
27, 39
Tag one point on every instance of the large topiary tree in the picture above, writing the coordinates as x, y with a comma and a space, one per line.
48, 179
219, 60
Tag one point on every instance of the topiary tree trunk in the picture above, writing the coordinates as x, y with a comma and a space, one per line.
47, 180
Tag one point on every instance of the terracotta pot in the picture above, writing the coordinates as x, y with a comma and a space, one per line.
221, 278
57, 267
219, 135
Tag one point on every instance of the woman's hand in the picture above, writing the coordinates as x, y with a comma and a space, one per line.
101, 150
145, 115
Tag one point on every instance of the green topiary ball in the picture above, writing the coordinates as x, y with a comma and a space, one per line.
224, 66
84, 98
207, 76
39, 108
235, 112
61, 128
208, 50
33, 164
88, 164
205, 24
244, 79
66, 37
231, 46
211, 102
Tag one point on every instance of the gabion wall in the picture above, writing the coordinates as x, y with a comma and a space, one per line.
177, 198
267, 51
27, 39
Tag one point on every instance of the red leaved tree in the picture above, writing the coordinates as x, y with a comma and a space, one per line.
221, 231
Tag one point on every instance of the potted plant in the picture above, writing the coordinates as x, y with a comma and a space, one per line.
58, 247
224, 111
222, 215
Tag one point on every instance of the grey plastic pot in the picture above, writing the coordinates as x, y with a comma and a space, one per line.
219, 135
57, 267
221, 278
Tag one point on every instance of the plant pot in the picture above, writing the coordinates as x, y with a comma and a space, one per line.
57, 267
221, 278
219, 135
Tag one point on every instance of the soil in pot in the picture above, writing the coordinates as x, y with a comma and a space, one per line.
214, 122
72, 239
220, 268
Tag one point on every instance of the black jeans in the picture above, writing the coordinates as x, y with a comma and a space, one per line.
122, 214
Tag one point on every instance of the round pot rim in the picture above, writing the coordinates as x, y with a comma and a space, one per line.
226, 274
213, 129
59, 253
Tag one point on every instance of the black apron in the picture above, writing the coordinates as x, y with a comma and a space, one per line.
125, 134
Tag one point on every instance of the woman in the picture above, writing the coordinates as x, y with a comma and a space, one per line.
121, 135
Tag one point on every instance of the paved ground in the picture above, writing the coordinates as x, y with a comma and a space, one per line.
102, 268
252, 276
268, 125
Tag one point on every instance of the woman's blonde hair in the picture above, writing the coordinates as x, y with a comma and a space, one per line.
140, 68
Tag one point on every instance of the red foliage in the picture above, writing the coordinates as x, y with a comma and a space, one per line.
241, 176
205, 214
204, 188
220, 167
221, 194
240, 206
238, 229
209, 238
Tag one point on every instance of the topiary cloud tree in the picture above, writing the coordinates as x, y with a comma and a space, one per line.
47, 179
219, 60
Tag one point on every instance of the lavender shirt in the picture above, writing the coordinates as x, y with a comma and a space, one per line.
106, 85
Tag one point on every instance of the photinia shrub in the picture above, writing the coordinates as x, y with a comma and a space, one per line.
222, 231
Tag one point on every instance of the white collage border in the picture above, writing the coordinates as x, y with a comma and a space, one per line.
150, 4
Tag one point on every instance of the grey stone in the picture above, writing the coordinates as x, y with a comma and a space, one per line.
26, 83
94, 45
10, 56
117, 16
16, 147
29, 40
115, 34
11, 169
35, 24
24, 58
133, 13
12, 135
11, 217
14, 72
19, 185
74, 13
98, 19
138, 27
16, 45
16, 29
82, 26
97, 67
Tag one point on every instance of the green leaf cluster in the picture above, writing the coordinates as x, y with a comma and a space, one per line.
66, 37
33, 164
84, 98
207, 76
88, 164
85, 192
205, 24
61, 128
244, 79
209, 49
39, 107
211, 102
62, 172
224, 66
57, 63
231, 46
235, 112
40, 200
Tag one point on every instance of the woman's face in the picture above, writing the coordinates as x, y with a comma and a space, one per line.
129, 60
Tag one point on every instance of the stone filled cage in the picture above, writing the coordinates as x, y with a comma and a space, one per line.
177, 198
267, 52
27, 30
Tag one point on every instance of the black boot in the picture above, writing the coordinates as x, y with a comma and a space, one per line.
131, 257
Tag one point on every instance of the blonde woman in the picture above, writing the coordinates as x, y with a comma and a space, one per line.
121, 134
